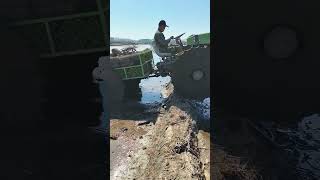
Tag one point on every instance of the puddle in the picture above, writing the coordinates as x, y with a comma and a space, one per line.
203, 108
152, 88
305, 145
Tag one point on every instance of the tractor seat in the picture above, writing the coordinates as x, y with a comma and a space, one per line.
160, 54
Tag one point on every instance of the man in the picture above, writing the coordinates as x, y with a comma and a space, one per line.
162, 43
159, 38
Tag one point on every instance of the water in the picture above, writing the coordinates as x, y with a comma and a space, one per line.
305, 145
203, 108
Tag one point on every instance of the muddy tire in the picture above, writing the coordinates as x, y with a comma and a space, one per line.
191, 74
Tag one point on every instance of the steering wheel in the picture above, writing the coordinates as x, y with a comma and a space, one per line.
178, 39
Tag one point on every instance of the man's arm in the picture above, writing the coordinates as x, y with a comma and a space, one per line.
159, 38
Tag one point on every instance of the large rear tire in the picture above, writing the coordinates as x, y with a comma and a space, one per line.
191, 74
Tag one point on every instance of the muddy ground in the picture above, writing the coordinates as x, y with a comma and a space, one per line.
169, 141
157, 147
239, 138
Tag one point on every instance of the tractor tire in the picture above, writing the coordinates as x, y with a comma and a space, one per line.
191, 74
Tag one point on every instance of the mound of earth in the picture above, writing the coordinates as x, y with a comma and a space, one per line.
171, 145
168, 151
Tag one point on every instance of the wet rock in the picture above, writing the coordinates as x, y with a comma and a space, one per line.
113, 137
124, 129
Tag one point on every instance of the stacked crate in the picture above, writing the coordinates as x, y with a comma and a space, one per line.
70, 35
76, 30
135, 66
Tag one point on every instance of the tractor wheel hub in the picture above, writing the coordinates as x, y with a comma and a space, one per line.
197, 75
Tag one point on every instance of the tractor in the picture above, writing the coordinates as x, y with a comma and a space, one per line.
189, 68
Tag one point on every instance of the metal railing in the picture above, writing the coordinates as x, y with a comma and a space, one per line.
53, 29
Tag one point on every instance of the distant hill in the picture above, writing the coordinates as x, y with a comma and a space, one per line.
125, 41
144, 41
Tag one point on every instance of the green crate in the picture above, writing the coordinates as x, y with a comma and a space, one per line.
36, 34
134, 72
121, 73
147, 68
78, 33
190, 40
77, 30
142, 70
146, 55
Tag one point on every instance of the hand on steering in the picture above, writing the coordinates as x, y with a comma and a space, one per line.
171, 37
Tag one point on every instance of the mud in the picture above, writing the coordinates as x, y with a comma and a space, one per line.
165, 145
238, 138
170, 140
124, 135
169, 150
204, 150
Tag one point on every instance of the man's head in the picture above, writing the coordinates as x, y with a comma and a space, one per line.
162, 25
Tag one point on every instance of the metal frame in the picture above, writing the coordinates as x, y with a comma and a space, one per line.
137, 77
141, 66
46, 21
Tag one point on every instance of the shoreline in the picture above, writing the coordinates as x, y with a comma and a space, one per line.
120, 44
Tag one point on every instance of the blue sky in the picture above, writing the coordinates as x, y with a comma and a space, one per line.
138, 19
